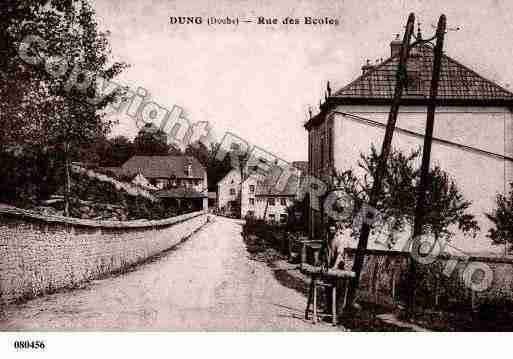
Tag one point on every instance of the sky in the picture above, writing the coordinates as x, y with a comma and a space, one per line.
258, 81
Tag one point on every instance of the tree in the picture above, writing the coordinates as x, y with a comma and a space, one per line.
39, 108
152, 141
216, 169
118, 150
396, 204
200, 152
502, 218
447, 206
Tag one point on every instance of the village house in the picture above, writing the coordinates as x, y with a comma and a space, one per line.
263, 201
180, 181
472, 136
259, 199
228, 192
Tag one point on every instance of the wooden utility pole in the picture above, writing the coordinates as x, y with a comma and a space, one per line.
385, 150
426, 155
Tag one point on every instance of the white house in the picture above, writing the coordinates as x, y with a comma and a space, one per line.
262, 201
472, 136
259, 199
228, 191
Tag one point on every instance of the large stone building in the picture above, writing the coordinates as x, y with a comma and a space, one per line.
472, 136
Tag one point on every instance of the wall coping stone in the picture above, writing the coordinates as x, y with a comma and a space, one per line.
31, 216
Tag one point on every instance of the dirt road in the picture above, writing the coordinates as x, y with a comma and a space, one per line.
207, 283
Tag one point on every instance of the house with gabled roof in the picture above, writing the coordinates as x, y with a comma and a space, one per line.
228, 193
180, 181
262, 199
473, 134
259, 197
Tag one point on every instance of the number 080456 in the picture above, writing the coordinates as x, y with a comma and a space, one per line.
29, 344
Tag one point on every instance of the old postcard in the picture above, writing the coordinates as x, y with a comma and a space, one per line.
312, 166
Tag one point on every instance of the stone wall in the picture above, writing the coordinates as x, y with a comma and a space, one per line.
40, 254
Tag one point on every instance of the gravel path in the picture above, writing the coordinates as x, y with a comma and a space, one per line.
207, 283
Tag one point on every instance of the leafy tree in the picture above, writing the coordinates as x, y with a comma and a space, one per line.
38, 108
216, 169
152, 141
119, 150
200, 152
502, 218
445, 204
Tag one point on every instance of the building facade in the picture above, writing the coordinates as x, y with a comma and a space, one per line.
178, 180
258, 197
473, 133
228, 193
259, 202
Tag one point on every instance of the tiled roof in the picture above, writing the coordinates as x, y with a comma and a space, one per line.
267, 187
163, 166
457, 82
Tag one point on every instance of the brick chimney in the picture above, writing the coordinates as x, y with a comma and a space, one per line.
395, 46
367, 67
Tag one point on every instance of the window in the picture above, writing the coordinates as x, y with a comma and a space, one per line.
188, 170
283, 201
252, 201
232, 191
251, 188
283, 218
272, 217
251, 213
270, 201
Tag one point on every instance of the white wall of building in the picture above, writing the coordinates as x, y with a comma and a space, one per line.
224, 187
478, 175
249, 199
259, 206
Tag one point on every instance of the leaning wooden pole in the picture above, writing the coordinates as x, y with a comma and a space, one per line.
426, 156
385, 150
